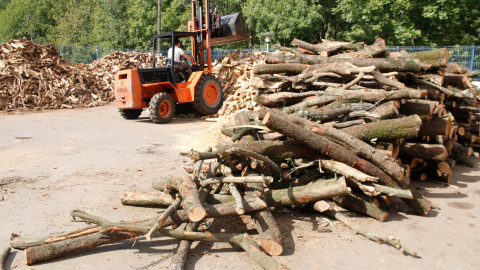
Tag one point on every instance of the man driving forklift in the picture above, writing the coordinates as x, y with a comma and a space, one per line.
179, 52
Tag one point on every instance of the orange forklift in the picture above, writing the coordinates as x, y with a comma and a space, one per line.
160, 89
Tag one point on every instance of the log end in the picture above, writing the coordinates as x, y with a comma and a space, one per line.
196, 214
271, 247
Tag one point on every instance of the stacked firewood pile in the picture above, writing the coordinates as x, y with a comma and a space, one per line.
34, 77
343, 127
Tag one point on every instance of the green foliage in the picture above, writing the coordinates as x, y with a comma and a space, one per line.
132, 23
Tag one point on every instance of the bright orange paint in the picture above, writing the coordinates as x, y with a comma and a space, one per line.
211, 94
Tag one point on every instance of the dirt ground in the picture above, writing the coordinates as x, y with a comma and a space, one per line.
57, 161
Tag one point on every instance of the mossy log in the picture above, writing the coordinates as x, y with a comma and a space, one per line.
390, 129
188, 192
437, 58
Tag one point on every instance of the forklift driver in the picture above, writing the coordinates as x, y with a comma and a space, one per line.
179, 52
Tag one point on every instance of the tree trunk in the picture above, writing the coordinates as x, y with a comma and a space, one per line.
375, 95
288, 69
362, 206
281, 98
437, 126
382, 64
437, 58
405, 128
436, 152
421, 107
458, 80
326, 51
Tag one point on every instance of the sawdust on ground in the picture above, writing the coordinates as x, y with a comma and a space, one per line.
204, 139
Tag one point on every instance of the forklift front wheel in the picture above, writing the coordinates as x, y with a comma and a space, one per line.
208, 95
162, 108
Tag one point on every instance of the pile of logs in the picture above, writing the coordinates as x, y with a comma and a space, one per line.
342, 127
34, 77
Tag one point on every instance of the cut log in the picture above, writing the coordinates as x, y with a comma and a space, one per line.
346, 170
394, 192
288, 69
437, 126
375, 95
270, 236
458, 80
281, 98
436, 152
382, 64
146, 198
455, 68
437, 58
361, 206
421, 107
406, 128
386, 110
188, 192
309, 102
161, 219
327, 50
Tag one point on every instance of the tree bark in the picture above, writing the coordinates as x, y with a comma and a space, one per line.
327, 50
458, 80
382, 64
375, 95
346, 171
386, 110
270, 236
437, 126
3, 257
161, 219
288, 69
436, 152
421, 107
362, 206
309, 102
188, 192
437, 58
281, 98
405, 128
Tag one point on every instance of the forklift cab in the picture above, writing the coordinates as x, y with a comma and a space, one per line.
175, 73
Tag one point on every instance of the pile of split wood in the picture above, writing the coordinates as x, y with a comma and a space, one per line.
34, 77
343, 127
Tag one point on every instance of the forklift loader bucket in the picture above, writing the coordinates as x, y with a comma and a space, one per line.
232, 29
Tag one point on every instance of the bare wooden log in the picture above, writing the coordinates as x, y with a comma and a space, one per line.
406, 128
385, 110
463, 160
327, 50
270, 236
358, 147
372, 95
435, 152
236, 179
437, 58
323, 205
459, 149
146, 198
372, 236
289, 69
3, 257
281, 98
178, 260
46, 252
376, 50
455, 68
382, 64
437, 126
394, 192
362, 206
386, 81
309, 102
458, 80
161, 219
346, 170
349, 123
188, 192
421, 107
238, 199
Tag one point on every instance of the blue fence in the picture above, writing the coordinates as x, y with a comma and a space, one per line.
465, 56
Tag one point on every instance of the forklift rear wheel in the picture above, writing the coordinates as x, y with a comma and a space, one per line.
130, 114
208, 95
162, 108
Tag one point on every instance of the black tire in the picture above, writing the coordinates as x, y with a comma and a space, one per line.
208, 95
162, 108
130, 114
